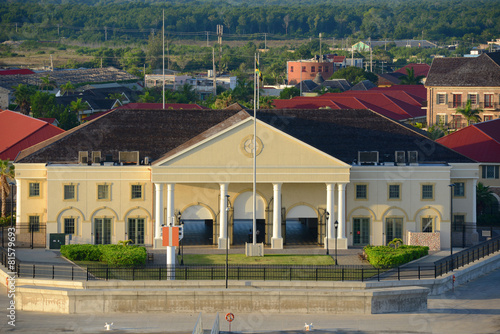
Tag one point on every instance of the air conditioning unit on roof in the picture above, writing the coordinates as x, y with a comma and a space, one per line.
400, 157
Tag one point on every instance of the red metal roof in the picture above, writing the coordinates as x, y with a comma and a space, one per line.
480, 142
392, 103
18, 131
17, 71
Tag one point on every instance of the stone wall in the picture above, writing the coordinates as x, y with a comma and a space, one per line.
431, 240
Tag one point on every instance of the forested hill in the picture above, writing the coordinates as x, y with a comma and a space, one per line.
99, 20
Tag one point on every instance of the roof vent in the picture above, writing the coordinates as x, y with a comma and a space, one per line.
96, 157
368, 157
413, 157
83, 157
400, 157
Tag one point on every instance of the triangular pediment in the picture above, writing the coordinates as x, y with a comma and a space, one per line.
228, 152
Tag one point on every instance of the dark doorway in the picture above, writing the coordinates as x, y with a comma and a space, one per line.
301, 231
198, 232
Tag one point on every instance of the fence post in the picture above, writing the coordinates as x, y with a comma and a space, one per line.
264, 273
52, 271
34, 271
316, 274
107, 273
290, 273
133, 273
378, 274
185, 273
399, 275
362, 274
342, 274
435, 271
72, 272
418, 272
87, 273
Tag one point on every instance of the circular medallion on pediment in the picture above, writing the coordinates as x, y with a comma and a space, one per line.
246, 146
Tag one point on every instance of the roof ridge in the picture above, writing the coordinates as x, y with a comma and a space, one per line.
486, 134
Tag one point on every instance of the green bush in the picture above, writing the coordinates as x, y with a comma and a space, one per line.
388, 257
113, 255
123, 256
84, 252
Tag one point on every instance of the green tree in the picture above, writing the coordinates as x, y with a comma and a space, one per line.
42, 103
289, 92
146, 98
484, 198
154, 51
354, 75
67, 88
470, 114
410, 78
6, 173
266, 102
78, 105
22, 94
47, 82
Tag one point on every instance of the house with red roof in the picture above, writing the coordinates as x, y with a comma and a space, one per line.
480, 142
403, 105
18, 131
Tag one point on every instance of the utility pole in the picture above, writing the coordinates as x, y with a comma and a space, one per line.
213, 71
220, 31
320, 47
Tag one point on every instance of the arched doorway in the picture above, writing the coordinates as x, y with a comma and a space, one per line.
301, 227
243, 218
198, 225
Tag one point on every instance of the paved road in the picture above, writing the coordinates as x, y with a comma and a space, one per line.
471, 308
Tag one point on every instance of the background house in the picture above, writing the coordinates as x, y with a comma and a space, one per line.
453, 81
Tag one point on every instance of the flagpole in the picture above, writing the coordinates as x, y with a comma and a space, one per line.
254, 220
163, 47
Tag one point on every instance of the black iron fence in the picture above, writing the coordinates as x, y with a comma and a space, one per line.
27, 235
468, 234
467, 256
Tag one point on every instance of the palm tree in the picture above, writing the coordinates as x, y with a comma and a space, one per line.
23, 94
67, 88
484, 197
471, 115
6, 172
47, 82
410, 78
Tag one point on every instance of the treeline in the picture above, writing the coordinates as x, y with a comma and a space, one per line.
122, 21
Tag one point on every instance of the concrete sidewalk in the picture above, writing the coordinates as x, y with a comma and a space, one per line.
41, 256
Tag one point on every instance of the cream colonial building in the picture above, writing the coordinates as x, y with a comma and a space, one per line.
127, 173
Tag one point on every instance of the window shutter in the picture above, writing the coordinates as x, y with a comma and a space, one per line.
496, 171
445, 119
446, 98
484, 172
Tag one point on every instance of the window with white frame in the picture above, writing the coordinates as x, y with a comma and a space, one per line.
361, 191
69, 225
394, 191
136, 191
488, 100
427, 223
34, 189
490, 172
103, 192
69, 192
459, 189
427, 191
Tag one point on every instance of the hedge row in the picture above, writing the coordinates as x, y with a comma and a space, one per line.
113, 255
389, 257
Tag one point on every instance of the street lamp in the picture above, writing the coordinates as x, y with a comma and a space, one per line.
452, 186
182, 246
327, 215
228, 207
178, 217
12, 184
336, 224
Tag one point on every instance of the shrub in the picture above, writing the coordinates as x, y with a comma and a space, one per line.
123, 256
84, 252
388, 257
113, 255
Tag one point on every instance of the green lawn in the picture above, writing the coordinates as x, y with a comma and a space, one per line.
207, 259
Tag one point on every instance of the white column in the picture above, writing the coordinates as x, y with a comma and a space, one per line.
474, 213
342, 240
18, 202
223, 217
170, 222
158, 212
277, 240
330, 203
170, 204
